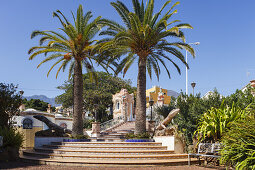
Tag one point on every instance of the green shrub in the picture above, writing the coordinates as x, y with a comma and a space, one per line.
87, 124
239, 144
214, 123
138, 136
11, 137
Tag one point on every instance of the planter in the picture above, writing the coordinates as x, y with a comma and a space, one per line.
76, 140
139, 140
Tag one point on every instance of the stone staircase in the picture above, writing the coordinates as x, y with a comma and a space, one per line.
117, 134
111, 151
105, 154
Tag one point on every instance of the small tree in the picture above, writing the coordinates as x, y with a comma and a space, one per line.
10, 101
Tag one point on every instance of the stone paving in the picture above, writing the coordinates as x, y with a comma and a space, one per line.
22, 165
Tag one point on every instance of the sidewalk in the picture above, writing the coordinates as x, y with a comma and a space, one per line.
21, 165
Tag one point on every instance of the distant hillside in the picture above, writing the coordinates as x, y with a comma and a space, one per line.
172, 93
43, 98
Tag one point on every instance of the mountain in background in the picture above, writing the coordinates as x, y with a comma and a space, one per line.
172, 93
43, 98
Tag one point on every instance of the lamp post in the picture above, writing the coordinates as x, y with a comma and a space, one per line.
193, 84
125, 110
95, 110
196, 43
151, 102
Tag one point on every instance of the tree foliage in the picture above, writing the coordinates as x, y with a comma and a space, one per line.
72, 47
36, 104
193, 108
95, 93
10, 100
148, 38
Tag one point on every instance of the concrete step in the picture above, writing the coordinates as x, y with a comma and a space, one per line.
101, 157
107, 143
103, 152
113, 162
104, 139
110, 147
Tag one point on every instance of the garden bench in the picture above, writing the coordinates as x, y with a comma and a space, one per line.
206, 150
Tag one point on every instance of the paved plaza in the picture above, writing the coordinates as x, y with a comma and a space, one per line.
22, 165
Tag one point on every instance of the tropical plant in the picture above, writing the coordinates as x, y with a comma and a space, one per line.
145, 40
214, 123
74, 48
239, 144
10, 101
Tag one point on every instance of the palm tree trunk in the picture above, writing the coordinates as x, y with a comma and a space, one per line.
140, 123
78, 100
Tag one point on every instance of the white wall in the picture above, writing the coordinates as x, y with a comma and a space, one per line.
69, 123
40, 141
166, 141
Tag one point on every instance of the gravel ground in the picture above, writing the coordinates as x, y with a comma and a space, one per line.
22, 165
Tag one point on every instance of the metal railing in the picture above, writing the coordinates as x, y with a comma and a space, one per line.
110, 123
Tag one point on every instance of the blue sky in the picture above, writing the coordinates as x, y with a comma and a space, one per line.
225, 58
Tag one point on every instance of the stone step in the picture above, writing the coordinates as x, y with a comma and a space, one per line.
107, 143
103, 152
113, 162
115, 156
110, 147
114, 136
108, 139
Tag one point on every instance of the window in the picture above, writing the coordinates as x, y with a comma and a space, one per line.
27, 123
118, 106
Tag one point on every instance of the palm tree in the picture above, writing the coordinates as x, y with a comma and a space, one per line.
145, 39
74, 48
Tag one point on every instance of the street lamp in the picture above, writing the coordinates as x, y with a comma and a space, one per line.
151, 102
95, 111
125, 110
195, 43
193, 84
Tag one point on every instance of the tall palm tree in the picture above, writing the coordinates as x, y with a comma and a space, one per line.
145, 39
74, 48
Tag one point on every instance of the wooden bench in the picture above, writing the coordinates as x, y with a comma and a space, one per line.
206, 150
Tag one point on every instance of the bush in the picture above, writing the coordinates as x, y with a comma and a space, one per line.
87, 124
12, 138
214, 123
138, 136
239, 144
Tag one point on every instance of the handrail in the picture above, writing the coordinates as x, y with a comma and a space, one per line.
111, 123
